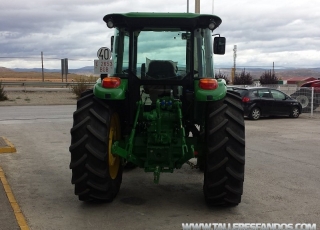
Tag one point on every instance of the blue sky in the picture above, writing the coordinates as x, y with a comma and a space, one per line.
265, 31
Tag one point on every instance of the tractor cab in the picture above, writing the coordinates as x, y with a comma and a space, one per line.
160, 54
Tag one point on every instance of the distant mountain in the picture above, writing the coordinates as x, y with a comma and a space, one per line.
280, 73
4, 69
86, 69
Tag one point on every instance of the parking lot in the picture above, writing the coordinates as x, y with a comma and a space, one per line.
282, 181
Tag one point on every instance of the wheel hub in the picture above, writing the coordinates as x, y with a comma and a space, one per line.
114, 134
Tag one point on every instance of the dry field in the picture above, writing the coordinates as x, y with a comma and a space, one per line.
10, 75
17, 98
29, 97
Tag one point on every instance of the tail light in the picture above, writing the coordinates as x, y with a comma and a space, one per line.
111, 82
208, 83
245, 99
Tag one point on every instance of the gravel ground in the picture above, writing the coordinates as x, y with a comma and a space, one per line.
39, 98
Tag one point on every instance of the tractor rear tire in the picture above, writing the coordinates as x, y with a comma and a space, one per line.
201, 163
96, 172
225, 154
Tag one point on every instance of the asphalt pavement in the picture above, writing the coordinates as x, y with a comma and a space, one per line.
282, 180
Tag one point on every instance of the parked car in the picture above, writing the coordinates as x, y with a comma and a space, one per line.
232, 88
263, 101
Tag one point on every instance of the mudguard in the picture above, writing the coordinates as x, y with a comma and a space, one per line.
118, 93
210, 95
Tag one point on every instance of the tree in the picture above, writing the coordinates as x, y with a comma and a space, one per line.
268, 78
222, 76
243, 78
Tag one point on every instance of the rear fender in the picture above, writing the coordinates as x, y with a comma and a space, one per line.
210, 95
118, 93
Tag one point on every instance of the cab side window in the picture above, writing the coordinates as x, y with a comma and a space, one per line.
264, 93
278, 95
254, 93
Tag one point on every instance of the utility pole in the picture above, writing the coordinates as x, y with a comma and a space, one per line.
42, 66
273, 68
212, 6
234, 56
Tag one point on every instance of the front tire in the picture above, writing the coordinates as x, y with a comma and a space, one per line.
294, 112
96, 172
225, 155
255, 113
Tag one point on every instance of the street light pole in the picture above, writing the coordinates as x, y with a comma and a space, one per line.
197, 6
187, 6
212, 6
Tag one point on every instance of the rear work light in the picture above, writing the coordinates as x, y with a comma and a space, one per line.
111, 82
245, 99
208, 83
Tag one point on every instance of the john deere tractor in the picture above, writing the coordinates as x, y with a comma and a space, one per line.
159, 107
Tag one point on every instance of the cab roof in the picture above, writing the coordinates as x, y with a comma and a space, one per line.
184, 21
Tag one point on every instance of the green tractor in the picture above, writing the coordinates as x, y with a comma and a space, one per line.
159, 107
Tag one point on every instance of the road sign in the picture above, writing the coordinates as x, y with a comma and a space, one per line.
64, 68
104, 53
103, 67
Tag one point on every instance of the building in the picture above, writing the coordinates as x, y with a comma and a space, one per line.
297, 80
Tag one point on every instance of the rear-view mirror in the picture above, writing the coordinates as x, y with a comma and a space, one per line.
219, 45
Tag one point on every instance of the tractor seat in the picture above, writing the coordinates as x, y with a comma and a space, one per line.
158, 70
161, 70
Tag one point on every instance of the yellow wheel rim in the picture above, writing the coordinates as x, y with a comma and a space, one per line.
114, 135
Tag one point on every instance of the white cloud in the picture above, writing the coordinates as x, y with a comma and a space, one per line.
265, 31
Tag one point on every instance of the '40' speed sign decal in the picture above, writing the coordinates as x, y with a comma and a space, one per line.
104, 53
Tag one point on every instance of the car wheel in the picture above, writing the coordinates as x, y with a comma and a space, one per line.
255, 113
294, 112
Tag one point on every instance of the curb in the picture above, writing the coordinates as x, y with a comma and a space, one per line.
6, 146
15, 206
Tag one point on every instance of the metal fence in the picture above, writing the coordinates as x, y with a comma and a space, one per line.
42, 84
307, 96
